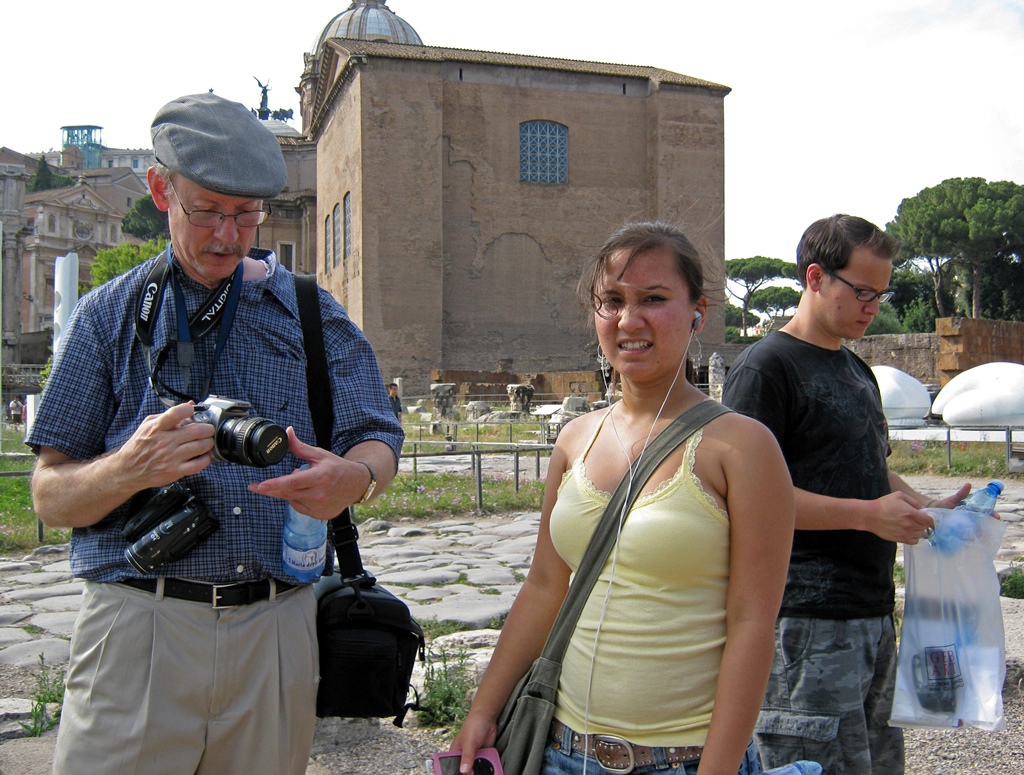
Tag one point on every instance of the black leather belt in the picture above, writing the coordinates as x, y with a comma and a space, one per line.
214, 595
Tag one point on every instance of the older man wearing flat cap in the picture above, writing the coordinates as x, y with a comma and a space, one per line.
195, 650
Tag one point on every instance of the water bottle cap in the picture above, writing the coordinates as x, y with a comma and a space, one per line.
995, 486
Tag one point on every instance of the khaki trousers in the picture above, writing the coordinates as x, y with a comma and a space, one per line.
169, 687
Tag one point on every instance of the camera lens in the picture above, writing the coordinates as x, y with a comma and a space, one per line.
252, 441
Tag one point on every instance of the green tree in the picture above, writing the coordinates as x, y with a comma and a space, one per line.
962, 224
774, 300
918, 317
733, 315
753, 274
145, 220
885, 322
120, 258
910, 284
45, 179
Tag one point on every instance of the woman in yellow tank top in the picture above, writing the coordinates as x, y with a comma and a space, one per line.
669, 661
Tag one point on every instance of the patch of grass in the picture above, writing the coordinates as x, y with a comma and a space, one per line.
447, 680
446, 495
18, 523
971, 459
432, 628
49, 691
1013, 584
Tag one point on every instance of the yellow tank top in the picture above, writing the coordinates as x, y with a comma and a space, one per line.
662, 631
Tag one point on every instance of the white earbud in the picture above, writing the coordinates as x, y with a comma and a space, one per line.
697, 317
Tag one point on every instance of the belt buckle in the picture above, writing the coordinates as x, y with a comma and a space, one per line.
619, 741
216, 595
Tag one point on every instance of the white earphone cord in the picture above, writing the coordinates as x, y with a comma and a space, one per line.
618, 533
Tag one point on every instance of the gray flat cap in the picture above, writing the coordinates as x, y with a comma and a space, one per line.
219, 145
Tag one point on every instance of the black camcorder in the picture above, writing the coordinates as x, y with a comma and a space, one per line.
166, 528
238, 436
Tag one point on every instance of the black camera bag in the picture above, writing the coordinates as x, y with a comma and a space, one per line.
368, 639
368, 647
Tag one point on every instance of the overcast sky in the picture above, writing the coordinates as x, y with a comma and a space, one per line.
835, 106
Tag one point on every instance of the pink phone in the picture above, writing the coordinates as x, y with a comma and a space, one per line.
447, 763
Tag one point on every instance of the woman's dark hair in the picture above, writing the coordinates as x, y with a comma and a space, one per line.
828, 242
638, 238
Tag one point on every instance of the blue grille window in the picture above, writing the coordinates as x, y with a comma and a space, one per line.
543, 152
348, 225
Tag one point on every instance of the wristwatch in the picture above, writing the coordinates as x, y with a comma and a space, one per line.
371, 488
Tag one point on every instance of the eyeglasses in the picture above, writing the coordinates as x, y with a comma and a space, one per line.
863, 294
211, 219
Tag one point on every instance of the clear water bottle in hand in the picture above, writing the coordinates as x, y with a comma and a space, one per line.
303, 544
960, 525
984, 500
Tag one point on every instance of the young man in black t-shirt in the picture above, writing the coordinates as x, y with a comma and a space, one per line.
830, 693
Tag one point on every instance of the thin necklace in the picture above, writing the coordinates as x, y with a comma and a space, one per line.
618, 439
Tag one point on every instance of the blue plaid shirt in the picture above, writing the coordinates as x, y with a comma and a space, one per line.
98, 394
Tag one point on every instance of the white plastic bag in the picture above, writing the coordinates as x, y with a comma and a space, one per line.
952, 654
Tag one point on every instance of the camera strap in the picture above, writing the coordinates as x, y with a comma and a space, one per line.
217, 311
344, 534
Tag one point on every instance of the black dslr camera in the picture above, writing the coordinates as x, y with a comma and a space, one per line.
167, 528
238, 436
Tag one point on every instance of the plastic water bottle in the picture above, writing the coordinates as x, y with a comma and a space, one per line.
984, 500
960, 526
303, 544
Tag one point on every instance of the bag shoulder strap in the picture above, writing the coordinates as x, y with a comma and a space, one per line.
318, 381
605, 534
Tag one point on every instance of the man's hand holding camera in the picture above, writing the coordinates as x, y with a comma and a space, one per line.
330, 483
167, 447
163, 449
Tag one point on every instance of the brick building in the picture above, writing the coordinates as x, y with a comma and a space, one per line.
459, 191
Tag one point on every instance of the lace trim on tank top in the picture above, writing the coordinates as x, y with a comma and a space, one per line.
683, 476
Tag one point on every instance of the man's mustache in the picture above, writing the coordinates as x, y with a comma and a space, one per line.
232, 248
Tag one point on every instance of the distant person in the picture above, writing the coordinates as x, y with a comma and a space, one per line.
672, 651
17, 410
396, 401
831, 689
196, 652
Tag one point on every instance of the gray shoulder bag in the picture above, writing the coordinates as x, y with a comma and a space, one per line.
525, 721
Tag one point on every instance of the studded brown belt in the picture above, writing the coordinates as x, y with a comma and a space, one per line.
618, 755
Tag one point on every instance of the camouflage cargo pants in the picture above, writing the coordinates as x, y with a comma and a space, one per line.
830, 696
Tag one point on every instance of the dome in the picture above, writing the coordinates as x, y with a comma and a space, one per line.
990, 394
368, 20
905, 401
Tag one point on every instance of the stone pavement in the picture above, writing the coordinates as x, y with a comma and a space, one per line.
466, 570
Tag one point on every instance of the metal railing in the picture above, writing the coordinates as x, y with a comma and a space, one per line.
450, 428
1014, 451
477, 451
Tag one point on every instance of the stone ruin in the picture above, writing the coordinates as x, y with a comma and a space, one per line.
519, 397
443, 394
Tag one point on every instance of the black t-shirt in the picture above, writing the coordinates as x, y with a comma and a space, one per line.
825, 409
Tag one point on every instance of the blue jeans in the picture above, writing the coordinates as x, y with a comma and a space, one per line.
565, 761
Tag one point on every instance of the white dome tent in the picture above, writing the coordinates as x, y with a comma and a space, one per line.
905, 400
